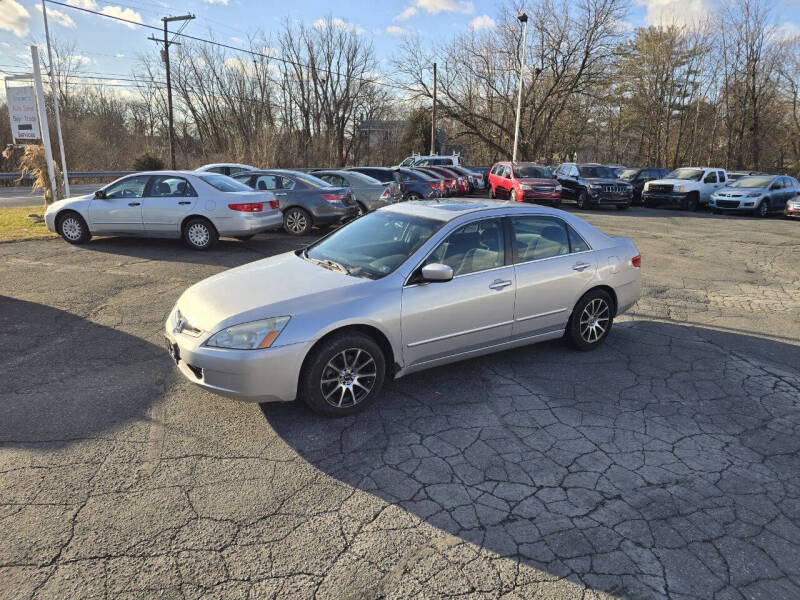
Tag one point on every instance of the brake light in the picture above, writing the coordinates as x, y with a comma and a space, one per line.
636, 261
334, 197
433, 184
385, 193
250, 207
273, 204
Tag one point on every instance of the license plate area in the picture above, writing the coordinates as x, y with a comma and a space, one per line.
173, 351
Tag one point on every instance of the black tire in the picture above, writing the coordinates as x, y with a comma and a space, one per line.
73, 228
362, 209
200, 234
325, 372
580, 332
244, 238
413, 196
297, 221
762, 211
491, 193
647, 204
692, 203
623, 206
513, 196
581, 200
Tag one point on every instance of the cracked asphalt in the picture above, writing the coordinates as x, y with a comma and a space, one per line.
664, 465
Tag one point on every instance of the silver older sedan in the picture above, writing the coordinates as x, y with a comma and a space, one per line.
408, 287
196, 206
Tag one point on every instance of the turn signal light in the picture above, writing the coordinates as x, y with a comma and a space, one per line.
636, 261
248, 207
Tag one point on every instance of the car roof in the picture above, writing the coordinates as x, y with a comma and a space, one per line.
452, 208
211, 165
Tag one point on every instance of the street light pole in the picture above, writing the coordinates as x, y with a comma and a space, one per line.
523, 18
433, 114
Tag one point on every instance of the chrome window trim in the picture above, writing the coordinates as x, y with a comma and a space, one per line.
533, 260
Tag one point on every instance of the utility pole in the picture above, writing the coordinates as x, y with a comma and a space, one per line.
165, 56
433, 114
53, 90
523, 18
48, 151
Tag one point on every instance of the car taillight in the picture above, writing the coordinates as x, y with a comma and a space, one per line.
248, 207
273, 204
636, 261
334, 197
385, 193
433, 184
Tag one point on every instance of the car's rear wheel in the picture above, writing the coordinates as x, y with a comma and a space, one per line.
581, 201
413, 196
297, 221
762, 210
362, 210
591, 320
72, 227
343, 375
692, 203
200, 234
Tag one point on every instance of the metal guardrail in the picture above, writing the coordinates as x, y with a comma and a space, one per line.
72, 175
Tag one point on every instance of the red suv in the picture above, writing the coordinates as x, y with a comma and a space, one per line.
524, 182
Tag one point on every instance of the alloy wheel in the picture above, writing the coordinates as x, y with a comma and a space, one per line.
198, 235
71, 229
348, 378
763, 209
595, 320
296, 221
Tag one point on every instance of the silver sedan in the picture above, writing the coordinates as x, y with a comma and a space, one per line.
196, 206
408, 287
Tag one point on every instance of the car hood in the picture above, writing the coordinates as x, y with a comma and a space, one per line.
537, 181
604, 181
674, 181
71, 201
743, 191
273, 287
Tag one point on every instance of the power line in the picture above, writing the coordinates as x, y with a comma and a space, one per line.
229, 46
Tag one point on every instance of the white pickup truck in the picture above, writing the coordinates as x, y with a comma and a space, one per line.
688, 187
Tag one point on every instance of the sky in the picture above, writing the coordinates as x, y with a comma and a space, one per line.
108, 48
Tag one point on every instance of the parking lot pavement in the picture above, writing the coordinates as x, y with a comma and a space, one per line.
666, 464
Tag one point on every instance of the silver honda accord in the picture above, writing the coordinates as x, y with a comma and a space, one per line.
408, 287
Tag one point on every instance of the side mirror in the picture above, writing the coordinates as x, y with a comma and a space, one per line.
437, 272
100, 195
507, 175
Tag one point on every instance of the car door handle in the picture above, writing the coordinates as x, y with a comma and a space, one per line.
184, 202
134, 203
580, 266
499, 284
280, 193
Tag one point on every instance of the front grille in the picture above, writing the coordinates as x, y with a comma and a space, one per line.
728, 203
614, 189
545, 189
659, 187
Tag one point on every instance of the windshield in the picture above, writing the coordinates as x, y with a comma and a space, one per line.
224, 183
532, 171
374, 245
596, 171
688, 174
310, 180
752, 182
629, 174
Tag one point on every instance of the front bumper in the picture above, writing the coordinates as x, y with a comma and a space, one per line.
791, 211
608, 199
540, 198
734, 205
268, 375
666, 198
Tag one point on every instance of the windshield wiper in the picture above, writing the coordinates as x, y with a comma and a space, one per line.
328, 264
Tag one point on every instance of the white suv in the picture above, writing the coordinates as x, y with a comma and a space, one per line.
432, 160
688, 187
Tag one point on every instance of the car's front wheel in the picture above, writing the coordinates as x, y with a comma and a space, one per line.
73, 228
762, 210
623, 206
591, 320
200, 234
513, 196
342, 375
297, 221
581, 201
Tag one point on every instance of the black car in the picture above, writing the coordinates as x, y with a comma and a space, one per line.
637, 177
417, 185
306, 201
593, 185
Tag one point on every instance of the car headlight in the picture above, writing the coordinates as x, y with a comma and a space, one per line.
558, 188
254, 335
525, 186
595, 186
646, 187
680, 189
753, 194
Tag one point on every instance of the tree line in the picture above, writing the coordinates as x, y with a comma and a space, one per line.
723, 91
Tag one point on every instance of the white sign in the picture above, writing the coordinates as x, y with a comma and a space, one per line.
22, 110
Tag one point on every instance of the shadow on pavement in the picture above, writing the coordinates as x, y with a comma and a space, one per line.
65, 378
666, 463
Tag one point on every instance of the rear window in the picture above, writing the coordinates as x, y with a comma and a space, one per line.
224, 183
